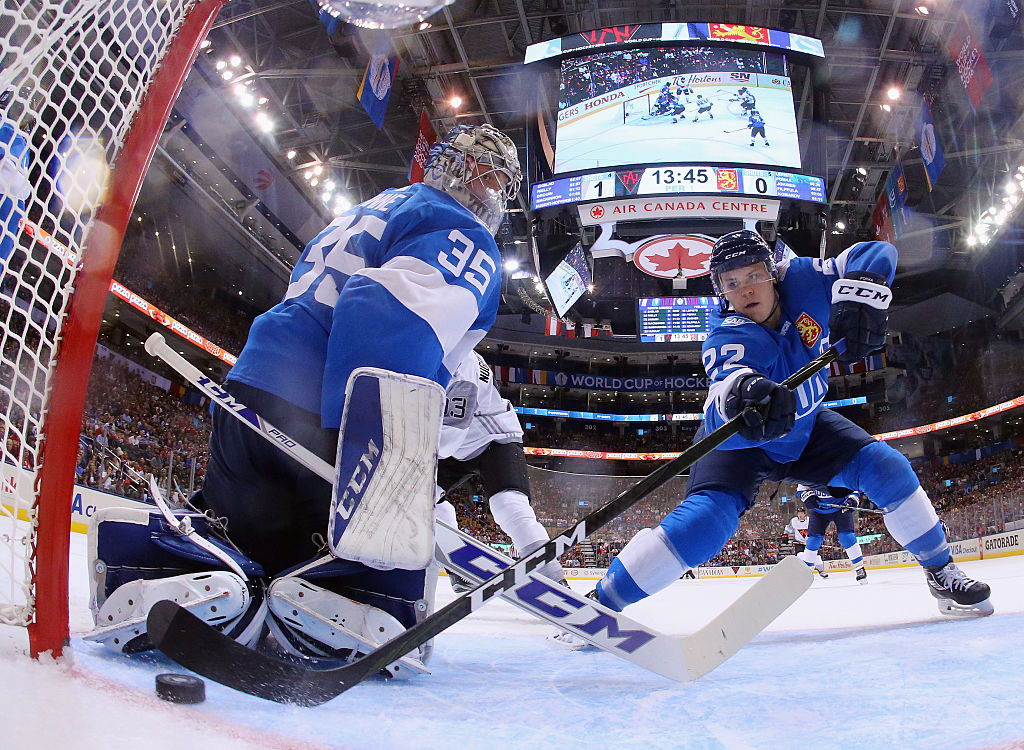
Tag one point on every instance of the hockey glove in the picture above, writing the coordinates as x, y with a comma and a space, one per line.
860, 304
773, 407
810, 500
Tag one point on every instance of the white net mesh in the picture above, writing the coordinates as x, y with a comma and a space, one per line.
73, 74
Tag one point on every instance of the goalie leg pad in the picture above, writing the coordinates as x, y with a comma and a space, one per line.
218, 597
382, 505
317, 622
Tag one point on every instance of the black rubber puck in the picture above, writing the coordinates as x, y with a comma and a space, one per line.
180, 688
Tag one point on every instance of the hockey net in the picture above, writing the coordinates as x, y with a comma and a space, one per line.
86, 88
636, 108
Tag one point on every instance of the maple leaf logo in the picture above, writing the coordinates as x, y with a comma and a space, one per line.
672, 256
597, 212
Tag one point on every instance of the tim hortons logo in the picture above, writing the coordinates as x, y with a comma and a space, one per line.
630, 179
808, 328
674, 256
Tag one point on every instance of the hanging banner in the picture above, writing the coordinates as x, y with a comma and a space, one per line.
970, 62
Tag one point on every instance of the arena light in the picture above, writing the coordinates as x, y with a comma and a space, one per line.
893, 93
227, 75
221, 64
511, 265
318, 170
885, 108
235, 61
455, 102
290, 154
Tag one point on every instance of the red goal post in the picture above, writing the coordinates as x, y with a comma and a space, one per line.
87, 88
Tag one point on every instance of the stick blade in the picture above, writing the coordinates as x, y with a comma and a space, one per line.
206, 651
743, 620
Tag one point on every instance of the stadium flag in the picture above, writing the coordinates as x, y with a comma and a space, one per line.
375, 89
896, 193
329, 20
553, 326
424, 140
931, 149
881, 220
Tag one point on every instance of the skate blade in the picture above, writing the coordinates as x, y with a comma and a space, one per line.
950, 608
569, 642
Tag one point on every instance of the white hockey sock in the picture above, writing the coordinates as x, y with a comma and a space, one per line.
651, 561
444, 512
910, 522
514, 514
855, 555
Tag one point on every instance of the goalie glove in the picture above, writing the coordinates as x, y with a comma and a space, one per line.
860, 305
774, 407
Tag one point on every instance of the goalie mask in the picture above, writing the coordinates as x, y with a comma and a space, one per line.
477, 165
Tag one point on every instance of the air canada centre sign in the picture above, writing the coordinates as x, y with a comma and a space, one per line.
679, 207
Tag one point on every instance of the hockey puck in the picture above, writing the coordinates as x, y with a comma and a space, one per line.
180, 688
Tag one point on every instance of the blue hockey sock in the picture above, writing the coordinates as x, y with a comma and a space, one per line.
691, 534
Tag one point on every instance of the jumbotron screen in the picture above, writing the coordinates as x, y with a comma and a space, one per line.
672, 105
665, 320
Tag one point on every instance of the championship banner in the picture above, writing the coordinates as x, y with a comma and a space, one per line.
424, 140
375, 88
931, 149
965, 50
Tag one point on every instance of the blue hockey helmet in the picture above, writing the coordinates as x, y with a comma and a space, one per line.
459, 163
736, 250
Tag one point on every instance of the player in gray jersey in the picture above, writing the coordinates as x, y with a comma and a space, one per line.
481, 435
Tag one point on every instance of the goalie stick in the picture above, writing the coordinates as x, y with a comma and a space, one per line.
205, 650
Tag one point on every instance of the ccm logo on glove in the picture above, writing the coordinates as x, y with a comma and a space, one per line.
862, 290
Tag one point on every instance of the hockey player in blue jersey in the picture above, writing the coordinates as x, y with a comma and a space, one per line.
776, 316
747, 100
668, 104
14, 184
756, 124
831, 505
407, 282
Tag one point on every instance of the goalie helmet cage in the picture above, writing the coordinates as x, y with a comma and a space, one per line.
87, 87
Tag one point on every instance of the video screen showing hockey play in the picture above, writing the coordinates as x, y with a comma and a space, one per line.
693, 104
332, 418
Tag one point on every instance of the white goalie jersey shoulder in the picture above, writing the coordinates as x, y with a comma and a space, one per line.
475, 413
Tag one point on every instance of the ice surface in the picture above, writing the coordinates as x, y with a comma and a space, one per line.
847, 666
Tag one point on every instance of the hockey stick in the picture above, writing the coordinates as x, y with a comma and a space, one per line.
205, 650
565, 609
854, 508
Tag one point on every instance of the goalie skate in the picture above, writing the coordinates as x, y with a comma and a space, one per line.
957, 594
218, 597
334, 626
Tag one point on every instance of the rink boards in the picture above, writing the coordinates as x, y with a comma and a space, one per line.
87, 501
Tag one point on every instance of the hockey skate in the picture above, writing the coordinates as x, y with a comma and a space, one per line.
862, 576
459, 584
958, 595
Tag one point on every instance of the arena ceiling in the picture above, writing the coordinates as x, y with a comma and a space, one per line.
475, 48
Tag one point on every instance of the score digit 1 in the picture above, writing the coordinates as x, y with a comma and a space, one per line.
597, 187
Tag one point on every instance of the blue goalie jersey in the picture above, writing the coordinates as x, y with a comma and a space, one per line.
407, 281
738, 346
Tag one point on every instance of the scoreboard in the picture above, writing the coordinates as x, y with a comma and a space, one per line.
674, 319
676, 178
